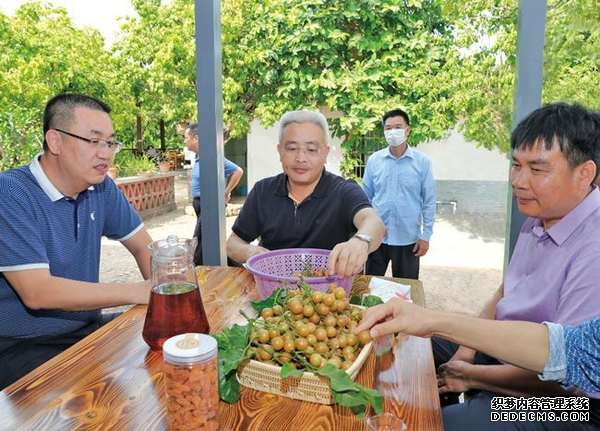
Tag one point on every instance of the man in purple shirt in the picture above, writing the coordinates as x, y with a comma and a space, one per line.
554, 271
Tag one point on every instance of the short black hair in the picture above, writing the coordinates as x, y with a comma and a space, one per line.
59, 110
575, 129
193, 129
395, 113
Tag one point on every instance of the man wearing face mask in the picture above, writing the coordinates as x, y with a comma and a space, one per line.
399, 183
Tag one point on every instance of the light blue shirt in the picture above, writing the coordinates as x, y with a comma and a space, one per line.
230, 168
574, 356
402, 191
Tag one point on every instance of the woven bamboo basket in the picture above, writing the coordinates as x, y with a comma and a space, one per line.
308, 387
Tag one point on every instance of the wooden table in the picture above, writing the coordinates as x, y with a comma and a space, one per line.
112, 380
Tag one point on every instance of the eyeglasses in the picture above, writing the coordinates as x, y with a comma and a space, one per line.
96, 143
310, 150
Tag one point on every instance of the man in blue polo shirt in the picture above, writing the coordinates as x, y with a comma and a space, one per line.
233, 175
53, 214
306, 206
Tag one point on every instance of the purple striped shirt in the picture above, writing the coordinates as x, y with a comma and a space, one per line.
554, 275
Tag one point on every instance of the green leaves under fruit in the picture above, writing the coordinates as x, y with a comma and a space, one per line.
350, 394
232, 344
366, 301
287, 370
276, 298
345, 391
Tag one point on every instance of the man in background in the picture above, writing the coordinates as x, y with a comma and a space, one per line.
399, 183
233, 175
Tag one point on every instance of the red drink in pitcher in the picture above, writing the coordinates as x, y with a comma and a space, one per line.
174, 308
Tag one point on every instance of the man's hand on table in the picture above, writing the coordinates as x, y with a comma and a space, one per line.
454, 376
465, 354
348, 258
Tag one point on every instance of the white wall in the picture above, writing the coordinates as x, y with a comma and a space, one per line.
454, 158
263, 159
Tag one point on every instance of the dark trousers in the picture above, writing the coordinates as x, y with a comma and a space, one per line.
198, 233
476, 412
20, 356
404, 262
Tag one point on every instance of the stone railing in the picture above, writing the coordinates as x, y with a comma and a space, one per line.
150, 194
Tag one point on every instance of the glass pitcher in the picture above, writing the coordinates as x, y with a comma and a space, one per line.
175, 305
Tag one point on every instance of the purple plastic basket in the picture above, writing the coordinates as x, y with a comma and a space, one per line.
273, 269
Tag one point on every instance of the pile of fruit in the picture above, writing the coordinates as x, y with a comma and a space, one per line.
308, 327
300, 330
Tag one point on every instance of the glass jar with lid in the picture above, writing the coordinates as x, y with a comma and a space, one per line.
191, 382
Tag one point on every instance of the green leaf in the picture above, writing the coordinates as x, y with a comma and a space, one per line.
229, 387
366, 301
232, 343
275, 298
371, 301
350, 394
289, 371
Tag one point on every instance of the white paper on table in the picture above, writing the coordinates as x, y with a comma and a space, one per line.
387, 290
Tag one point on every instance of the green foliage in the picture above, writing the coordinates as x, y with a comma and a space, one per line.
288, 370
41, 55
445, 62
232, 344
342, 57
366, 301
277, 297
156, 61
346, 392
484, 81
350, 394
128, 164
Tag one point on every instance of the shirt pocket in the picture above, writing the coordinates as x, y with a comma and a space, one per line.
407, 180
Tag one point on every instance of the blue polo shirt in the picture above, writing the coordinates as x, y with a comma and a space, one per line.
41, 228
229, 168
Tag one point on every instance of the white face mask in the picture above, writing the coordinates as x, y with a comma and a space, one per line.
394, 137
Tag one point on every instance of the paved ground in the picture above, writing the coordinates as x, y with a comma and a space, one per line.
460, 272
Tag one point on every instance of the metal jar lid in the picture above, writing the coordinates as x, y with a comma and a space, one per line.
189, 348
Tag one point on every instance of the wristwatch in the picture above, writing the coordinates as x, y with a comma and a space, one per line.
364, 237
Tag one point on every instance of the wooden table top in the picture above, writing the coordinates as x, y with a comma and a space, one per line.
112, 380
